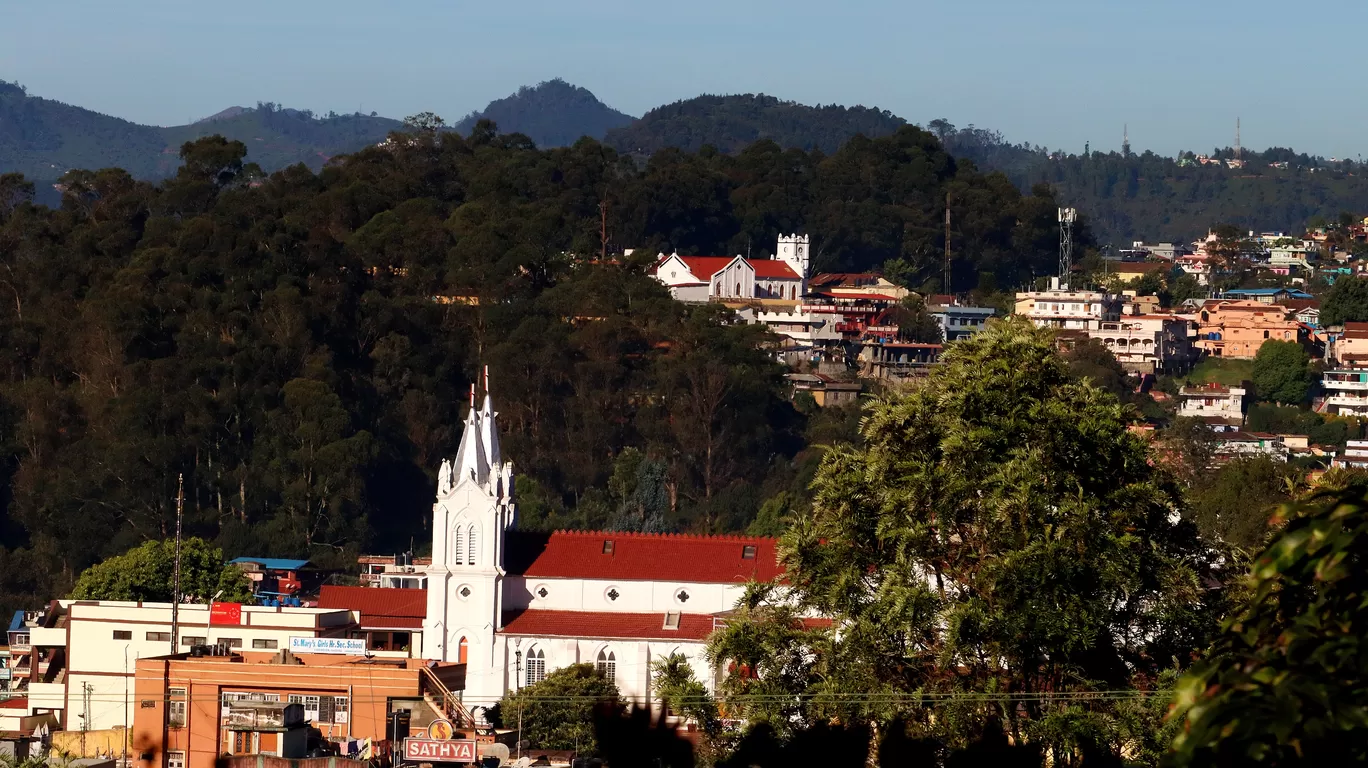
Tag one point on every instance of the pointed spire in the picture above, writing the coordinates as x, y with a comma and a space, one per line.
470, 463
489, 429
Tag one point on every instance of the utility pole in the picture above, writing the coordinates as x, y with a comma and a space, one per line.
945, 280
603, 231
85, 716
175, 579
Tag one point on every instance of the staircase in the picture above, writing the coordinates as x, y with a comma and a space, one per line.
447, 704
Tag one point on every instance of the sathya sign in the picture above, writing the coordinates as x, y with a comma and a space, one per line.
434, 751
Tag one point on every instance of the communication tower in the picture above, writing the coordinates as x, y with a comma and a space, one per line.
1125, 140
1067, 216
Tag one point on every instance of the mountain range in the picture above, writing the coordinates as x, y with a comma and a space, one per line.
1123, 196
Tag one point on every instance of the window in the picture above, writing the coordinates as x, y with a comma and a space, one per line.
672, 620
748, 552
458, 545
123, 634
340, 709
1265, 334
259, 643
607, 546
536, 667
400, 641
471, 539
192, 640
461, 650
607, 664
159, 637
231, 642
175, 760
175, 708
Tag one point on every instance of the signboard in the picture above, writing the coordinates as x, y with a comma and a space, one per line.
225, 614
434, 751
351, 646
441, 730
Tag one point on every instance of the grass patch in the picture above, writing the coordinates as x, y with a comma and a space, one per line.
1222, 371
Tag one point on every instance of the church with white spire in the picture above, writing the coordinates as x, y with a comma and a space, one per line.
515, 605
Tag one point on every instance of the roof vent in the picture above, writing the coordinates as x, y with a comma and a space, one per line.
607, 546
748, 552
672, 620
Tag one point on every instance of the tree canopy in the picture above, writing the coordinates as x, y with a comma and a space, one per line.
146, 573
1347, 302
557, 712
1280, 372
1000, 530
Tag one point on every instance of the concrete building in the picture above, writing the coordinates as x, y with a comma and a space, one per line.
1217, 404
1237, 329
825, 390
1346, 391
958, 321
83, 653
1148, 343
1355, 455
1076, 310
1350, 346
402, 571
857, 284
1237, 445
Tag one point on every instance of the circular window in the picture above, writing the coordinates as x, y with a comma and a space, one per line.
682, 596
611, 594
464, 592
541, 591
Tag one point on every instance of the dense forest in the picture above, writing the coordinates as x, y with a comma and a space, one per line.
731, 123
553, 113
299, 345
1149, 197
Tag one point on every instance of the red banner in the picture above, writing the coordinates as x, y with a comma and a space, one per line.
221, 614
433, 751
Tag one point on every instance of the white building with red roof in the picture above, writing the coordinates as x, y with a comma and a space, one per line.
736, 278
515, 605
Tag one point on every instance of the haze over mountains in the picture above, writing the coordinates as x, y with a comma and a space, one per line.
1123, 197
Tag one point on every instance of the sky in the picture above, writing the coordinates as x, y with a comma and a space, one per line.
1057, 73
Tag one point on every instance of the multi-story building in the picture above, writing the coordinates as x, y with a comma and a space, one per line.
401, 571
83, 653
808, 335
1237, 329
957, 321
1148, 343
1355, 455
1236, 445
1346, 390
856, 284
1350, 346
1063, 308
1217, 404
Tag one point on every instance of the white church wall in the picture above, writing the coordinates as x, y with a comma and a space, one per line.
632, 660
632, 596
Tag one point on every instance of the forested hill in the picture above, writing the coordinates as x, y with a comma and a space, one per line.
299, 346
553, 114
1149, 197
731, 123
43, 139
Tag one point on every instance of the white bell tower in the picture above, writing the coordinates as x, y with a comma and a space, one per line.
796, 251
474, 509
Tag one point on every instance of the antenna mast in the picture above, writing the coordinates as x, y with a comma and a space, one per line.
1066, 222
1239, 160
945, 280
1125, 140
175, 579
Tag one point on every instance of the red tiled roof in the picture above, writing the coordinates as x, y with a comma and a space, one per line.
387, 608
875, 296
641, 557
706, 266
607, 624
18, 703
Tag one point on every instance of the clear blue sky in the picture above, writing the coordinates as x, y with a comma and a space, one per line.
1052, 72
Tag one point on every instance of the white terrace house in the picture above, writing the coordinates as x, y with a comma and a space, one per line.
1147, 343
1215, 403
1063, 308
1346, 391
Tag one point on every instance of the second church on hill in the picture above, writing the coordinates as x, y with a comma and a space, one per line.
515, 605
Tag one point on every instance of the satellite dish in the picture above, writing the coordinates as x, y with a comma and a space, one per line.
499, 751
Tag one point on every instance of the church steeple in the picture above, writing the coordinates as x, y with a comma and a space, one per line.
489, 430
472, 461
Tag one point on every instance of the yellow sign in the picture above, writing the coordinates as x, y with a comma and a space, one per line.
441, 730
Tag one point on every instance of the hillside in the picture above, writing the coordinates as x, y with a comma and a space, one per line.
1155, 198
553, 114
44, 139
731, 123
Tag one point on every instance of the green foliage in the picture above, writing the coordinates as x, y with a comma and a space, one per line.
1232, 505
1000, 530
1219, 370
915, 323
732, 123
1284, 682
557, 713
146, 573
1320, 429
1280, 372
553, 113
683, 695
1347, 302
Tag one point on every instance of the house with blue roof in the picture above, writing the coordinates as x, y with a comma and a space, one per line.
279, 580
1266, 295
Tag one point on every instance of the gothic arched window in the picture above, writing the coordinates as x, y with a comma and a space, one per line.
461, 649
607, 664
536, 666
471, 539
458, 545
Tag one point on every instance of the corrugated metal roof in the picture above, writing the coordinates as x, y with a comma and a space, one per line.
272, 563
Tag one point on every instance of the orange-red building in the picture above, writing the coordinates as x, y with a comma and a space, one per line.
190, 710
1238, 328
